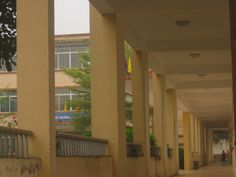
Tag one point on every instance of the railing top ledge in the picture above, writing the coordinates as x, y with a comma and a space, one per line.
70, 135
15, 131
133, 144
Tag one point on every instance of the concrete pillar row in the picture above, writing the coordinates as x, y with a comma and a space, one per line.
140, 95
108, 86
35, 79
171, 127
159, 121
187, 140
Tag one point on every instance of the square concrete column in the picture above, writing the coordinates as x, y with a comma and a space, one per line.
108, 86
35, 79
187, 140
210, 145
140, 99
171, 127
159, 121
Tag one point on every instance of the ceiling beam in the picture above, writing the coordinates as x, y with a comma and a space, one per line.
188, 69
204, 84
103, 6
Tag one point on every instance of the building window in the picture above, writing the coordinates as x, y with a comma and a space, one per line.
68, 57
8, 101
61, 97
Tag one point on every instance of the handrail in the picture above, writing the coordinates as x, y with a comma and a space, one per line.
14, 142
79, 137
134, 149
74, 145
15, 131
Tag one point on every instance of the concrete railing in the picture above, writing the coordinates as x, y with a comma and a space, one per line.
134, 150
73, 145
14, 142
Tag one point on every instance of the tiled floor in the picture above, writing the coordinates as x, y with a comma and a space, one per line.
210, 171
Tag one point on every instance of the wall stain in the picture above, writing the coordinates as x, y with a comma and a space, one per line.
30, 169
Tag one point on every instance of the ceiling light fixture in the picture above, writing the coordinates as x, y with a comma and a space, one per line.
194, 55
202, 75
182, 23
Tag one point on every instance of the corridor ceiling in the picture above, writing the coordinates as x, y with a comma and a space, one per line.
195, 57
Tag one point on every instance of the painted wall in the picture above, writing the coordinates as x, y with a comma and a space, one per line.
84, 167
8, 80
135, 167
19, 167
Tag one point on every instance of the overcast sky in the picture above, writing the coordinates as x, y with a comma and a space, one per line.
71, 16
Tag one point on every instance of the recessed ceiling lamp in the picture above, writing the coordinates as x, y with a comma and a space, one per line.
202, 75
194, 55
182, 23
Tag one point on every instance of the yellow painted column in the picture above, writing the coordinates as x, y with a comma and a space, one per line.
108, 86
171, 127
210, 145
159, 121
35, 79
140, 99
202, 150
187, 140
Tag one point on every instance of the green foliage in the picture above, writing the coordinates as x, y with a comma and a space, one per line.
87, 133
220, 135
129, 134
81, 76
8, 33
152, 139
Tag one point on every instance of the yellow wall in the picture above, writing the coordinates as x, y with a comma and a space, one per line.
135, 167
19, 167
61, 80
9, 80
84, 167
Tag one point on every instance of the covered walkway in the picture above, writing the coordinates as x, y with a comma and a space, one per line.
213, 170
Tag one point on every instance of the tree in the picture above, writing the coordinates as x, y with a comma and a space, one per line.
8, 33
82, 104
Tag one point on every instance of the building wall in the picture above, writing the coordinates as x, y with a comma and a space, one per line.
84, 167
135, 167
19, 167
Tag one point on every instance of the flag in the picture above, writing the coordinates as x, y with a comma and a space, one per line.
65, 108
129, 65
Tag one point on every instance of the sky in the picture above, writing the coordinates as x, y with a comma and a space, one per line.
71, 16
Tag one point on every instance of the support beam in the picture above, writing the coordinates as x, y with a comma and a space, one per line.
108, 86
35, 79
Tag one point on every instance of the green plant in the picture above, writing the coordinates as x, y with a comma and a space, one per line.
129, 134
87, 133
152, 139
220, 135
82, 104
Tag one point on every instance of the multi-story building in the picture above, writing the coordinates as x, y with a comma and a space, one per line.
68, 51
